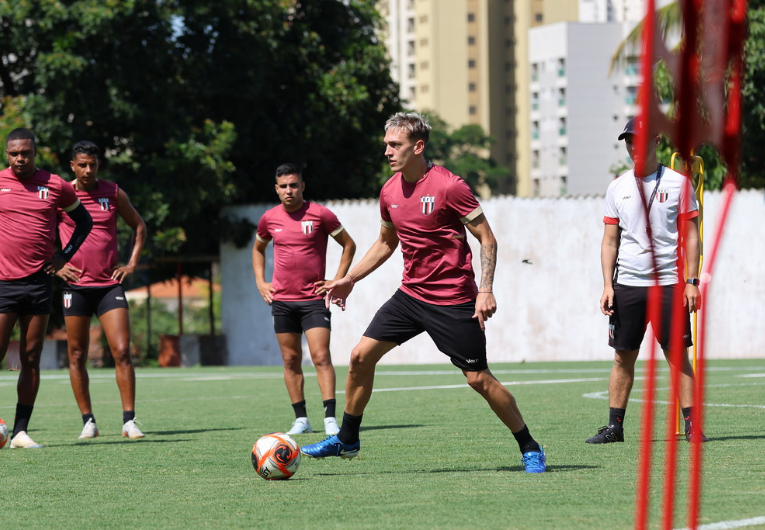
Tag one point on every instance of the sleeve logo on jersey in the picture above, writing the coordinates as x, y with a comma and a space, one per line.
67, 300
662, 195
104, 203
42, 192
307, 227
427, 204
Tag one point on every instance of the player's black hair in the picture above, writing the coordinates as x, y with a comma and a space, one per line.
85, 148
289, 168
20, 134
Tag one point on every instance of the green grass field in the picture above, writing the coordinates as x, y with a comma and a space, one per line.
433, 454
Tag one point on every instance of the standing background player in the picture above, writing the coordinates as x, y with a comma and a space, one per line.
30, 199
300, 230
627, 261
94, 286
427, 209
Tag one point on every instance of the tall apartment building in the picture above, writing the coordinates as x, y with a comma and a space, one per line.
577, 109
467, 60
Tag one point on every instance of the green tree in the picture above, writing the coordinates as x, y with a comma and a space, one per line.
465, 152
195, 103
752, 171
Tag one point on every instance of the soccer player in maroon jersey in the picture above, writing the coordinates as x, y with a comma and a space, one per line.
94, 286
29, 202
426, 208
300, 230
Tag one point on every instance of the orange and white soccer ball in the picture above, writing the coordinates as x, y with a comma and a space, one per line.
3, 433
275, 456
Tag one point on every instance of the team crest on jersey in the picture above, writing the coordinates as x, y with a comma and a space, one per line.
104, 203
662, 195
42, 192
307, 227
427, 204
67, 300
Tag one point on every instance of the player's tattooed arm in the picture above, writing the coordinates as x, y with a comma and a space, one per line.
488, 265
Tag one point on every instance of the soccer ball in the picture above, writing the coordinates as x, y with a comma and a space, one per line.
275, 456
3, 433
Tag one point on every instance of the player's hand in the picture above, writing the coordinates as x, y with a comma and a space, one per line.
69, 274
56, 264
267, 290
338, 291
692, 298
485, 307
320, 287
607, 301
120, 273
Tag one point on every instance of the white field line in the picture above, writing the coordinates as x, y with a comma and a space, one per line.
604, 395
180, 374
465, 385
725, 525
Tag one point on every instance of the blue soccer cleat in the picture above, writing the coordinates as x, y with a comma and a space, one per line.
534, 461
331, 446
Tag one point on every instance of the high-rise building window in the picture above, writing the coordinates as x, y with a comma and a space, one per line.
471, 17
410, 25
471, 41
472, 110
538, 17
471, 63
471, 87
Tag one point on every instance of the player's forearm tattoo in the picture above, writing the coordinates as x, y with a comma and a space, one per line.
488, 264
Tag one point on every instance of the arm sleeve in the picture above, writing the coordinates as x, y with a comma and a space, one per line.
83, 224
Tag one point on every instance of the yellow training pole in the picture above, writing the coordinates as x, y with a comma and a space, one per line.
697, 170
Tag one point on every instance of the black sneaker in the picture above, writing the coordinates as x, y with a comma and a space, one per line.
689, 432
607, 435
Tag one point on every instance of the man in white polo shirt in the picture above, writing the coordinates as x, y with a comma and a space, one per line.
635, 255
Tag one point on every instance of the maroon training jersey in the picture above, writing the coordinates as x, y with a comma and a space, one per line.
300, 248
429, 217
28, 209
97, 257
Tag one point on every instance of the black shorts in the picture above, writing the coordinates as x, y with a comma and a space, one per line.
84, 301
297, 317
452, 327
27, 296
626, 327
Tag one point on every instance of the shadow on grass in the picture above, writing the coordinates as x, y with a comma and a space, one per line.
119, 442
511, 469
383, 427
194, 431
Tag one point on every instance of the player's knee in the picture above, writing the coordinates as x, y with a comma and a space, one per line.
322, 359
359, 360
478, 381
121, 355
77, 355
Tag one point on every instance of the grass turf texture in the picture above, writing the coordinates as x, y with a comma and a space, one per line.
430, 458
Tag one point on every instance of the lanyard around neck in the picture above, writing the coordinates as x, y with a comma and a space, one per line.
659, 173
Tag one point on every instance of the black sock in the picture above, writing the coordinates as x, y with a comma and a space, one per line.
349, 430
299, 409
86, 417
616, 418
127, 415
329, 408
687, 416
525, 442
21, 422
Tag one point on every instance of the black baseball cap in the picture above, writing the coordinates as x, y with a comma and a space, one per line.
632, 127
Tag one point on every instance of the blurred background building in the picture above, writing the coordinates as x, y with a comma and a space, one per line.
534, 74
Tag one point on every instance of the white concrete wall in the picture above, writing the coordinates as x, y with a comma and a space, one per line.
548, 285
